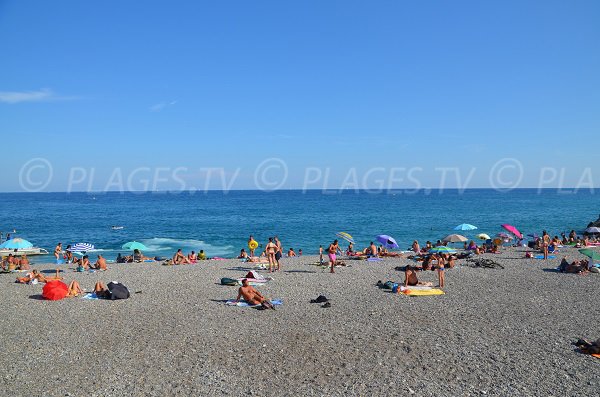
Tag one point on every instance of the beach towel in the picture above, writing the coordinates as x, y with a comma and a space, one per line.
542, 257
374, 259
90, 296
232, 302
423, 292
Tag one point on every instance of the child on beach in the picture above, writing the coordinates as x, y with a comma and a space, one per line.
321, 254
440, 272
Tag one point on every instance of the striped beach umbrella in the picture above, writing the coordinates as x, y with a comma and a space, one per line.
82, 247
345, 236
443, 250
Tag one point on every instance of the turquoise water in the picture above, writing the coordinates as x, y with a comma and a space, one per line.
220, 223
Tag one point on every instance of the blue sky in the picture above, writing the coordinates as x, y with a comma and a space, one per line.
333, 85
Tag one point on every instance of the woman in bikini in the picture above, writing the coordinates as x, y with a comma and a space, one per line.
271, 250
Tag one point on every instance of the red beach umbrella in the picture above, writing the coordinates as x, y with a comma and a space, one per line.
55, 290
512, 229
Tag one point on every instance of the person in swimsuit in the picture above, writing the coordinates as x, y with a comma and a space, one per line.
321, 254
250, 240
291, 253
179, 258
440, 272
271, 250
410, 277
279, 252
100, 263
24, 263
252, 296
58, 250
331, 250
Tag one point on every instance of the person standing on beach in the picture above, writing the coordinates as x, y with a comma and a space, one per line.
251, 244
440, 271
331, 251
271, 250
545, 243
279, 252
321, 254
58, 250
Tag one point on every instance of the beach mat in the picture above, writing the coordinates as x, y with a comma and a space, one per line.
232, 302
542, 257
423, 292
374, 259
90, 296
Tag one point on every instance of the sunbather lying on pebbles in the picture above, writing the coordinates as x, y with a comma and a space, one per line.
574, 267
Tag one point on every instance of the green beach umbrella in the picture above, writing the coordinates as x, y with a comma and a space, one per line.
134, 245
443, 250
593, 255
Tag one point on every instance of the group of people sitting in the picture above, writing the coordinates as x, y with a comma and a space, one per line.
181, 259
244, 255
85, 264
13, 262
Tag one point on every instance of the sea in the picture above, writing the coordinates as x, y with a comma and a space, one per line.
220, 222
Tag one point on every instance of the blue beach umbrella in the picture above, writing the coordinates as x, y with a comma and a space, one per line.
16, 243
465, 226
134, 245
387, 241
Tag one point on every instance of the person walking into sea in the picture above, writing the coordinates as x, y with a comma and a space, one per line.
331, 251
279, 252
271, 250
58, 251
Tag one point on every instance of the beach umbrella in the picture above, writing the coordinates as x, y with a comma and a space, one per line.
593, 255
55, 290
465, 226
82, 247
455, 238
345, 236
512, 229
134, 245
443, 250
16, 243
387, 241
592, 230
483, 236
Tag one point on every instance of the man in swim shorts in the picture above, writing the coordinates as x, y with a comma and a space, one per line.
252, 296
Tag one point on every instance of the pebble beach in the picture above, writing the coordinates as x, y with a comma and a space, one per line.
495, 332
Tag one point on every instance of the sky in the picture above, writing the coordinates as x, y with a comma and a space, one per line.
159, 95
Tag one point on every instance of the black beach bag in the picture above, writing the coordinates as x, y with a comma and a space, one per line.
118, 291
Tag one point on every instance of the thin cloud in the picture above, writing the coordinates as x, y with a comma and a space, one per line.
161, 106
43, 95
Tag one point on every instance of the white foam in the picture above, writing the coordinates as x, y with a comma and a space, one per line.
171, 244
